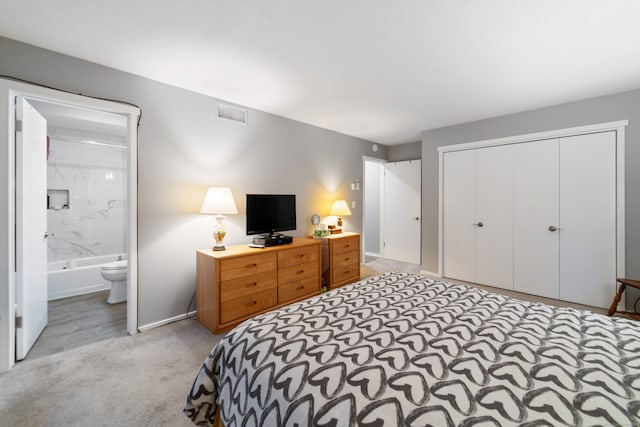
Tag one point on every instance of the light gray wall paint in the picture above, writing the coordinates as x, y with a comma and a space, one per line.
182, 149
620, 106
373, 200
408, 151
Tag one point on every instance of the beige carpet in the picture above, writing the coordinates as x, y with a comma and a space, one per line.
138, 380
135, 380
366, 271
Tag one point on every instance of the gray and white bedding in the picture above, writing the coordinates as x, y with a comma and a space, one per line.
404, 350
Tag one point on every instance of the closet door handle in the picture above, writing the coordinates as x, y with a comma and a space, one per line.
479, 224
553, 228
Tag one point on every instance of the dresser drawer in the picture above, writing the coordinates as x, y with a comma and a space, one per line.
247, 305
346, 244
347, 259
343, 274
294, 290
298, 256
247, 285
233, 268
296, 273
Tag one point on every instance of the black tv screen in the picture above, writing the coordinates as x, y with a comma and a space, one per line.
268, 213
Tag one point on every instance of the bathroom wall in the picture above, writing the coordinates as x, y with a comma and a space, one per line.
94, 222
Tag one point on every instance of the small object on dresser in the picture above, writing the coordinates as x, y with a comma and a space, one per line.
321, 233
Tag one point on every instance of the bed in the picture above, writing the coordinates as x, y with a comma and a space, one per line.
403, 349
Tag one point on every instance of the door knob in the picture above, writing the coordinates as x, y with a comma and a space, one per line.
552, 228
47, 234
479, 224
417, 218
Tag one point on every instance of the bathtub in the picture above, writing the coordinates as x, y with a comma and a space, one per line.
78, 276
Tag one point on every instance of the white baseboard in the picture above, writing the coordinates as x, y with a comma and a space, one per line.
78, 291
376, 255
429, 273
165, 321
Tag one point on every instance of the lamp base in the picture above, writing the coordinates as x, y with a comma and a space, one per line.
218, 234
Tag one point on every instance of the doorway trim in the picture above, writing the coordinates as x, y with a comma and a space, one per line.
9, 89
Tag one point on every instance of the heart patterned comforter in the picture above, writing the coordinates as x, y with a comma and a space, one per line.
404, 350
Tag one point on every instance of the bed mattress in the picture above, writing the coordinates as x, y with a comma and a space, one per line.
403, 349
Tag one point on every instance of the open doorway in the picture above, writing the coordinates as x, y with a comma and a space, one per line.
86, 233
373, 211
392, 218
88, 202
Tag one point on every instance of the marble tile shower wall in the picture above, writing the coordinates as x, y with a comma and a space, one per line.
94, 223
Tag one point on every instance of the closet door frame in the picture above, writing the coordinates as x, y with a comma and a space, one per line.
618, 127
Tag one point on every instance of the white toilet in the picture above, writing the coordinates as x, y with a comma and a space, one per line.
116, 273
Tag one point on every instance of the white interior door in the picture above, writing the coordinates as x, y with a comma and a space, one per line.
494, 216
536, 218
588, 218
402, 211
459, 215
31, 226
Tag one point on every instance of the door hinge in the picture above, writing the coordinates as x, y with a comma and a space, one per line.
18, 125
18, 322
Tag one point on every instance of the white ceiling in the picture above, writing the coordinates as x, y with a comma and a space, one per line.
382, 70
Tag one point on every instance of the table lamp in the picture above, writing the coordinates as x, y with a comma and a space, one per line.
340, 209
218, 202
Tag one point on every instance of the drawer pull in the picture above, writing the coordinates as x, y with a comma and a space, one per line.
251, 285
249, 304
252, 265
345, 246
300, 272
299, 288
301, 256
346, 259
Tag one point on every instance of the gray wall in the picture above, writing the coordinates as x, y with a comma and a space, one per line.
408, 151
183, 149
620, 106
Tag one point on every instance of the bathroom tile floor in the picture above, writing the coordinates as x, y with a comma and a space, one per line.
80, 320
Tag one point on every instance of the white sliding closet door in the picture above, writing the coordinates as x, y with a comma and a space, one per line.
459, 215
588, 218
494, 216
543, 216
536, 218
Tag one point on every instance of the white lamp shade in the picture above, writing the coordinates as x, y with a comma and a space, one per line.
218, 201
340, 208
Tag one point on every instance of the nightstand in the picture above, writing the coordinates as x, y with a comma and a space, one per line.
340, 259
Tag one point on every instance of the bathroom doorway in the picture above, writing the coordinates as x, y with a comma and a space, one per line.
90, 213
86, 198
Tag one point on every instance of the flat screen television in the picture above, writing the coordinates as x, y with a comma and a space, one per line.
270, 213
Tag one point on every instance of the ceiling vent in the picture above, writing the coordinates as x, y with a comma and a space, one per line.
235, 114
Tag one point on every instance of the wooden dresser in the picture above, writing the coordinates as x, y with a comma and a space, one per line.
240, 282
340, 259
